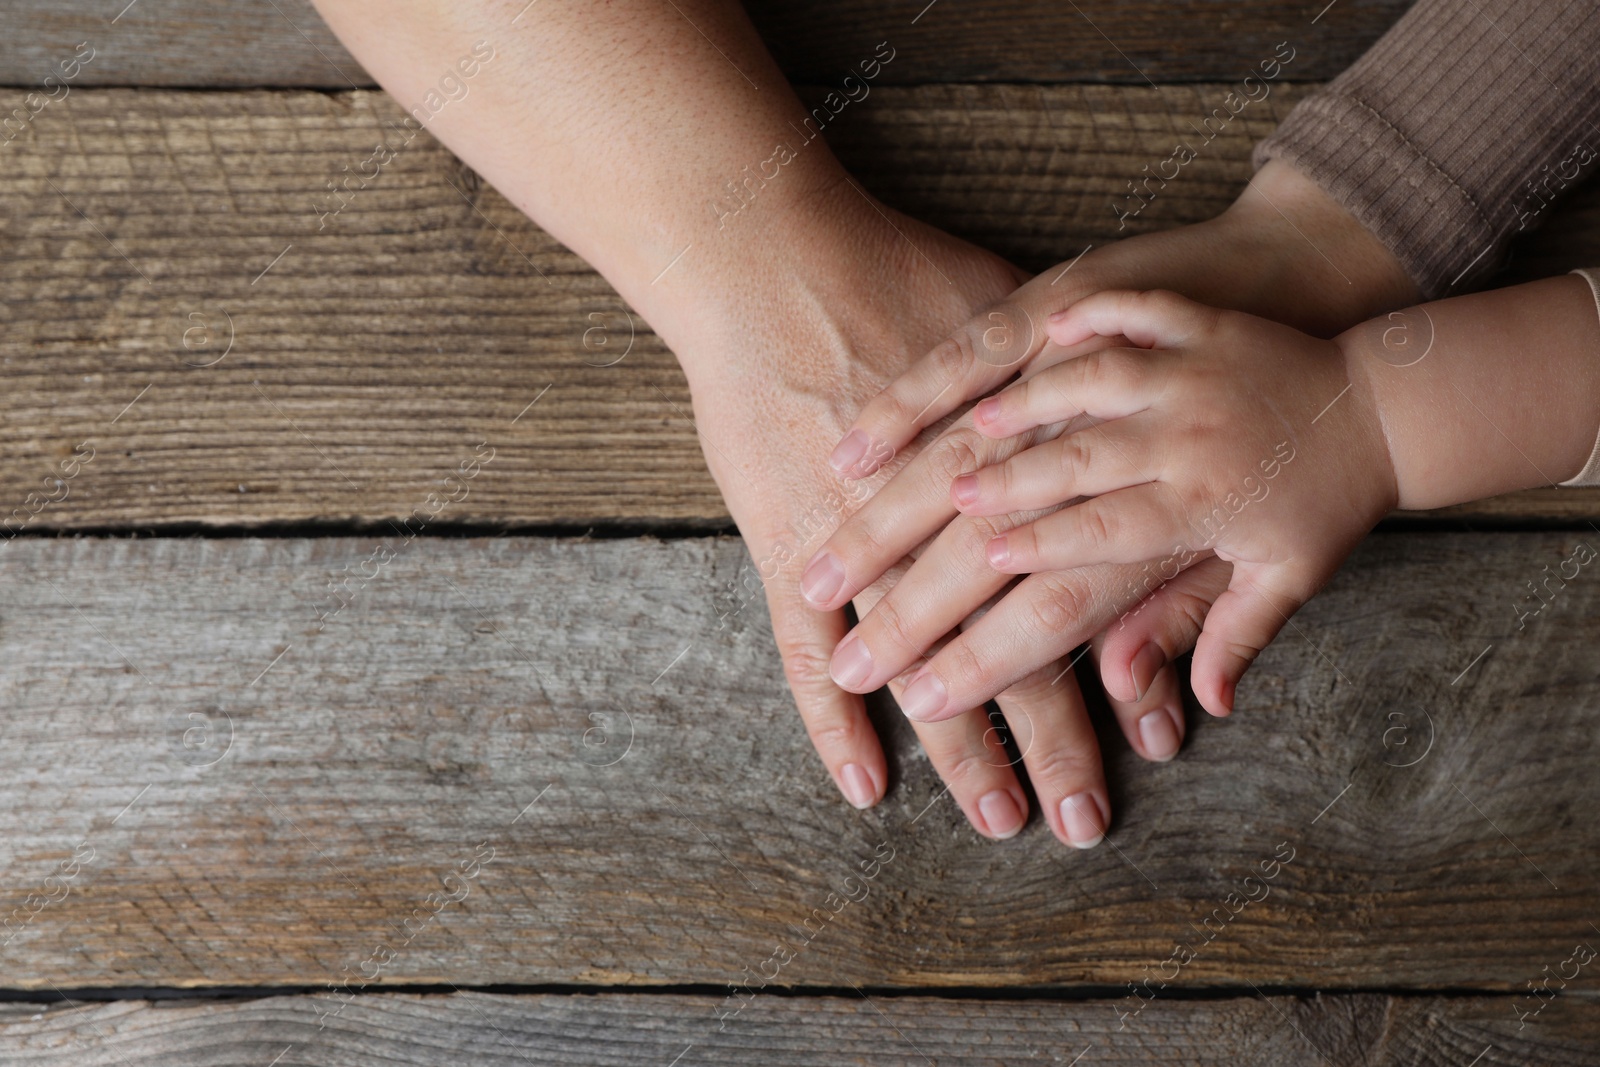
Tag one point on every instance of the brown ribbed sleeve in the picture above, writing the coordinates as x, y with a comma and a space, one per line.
1456, 130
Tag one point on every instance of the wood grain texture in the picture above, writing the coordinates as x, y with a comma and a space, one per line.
189, 43
373, 350
630, 1029
284, 43
205, 785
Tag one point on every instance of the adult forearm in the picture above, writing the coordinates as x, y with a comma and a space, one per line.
633, 133
659, 142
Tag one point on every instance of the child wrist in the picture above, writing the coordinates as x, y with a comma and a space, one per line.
1361, 348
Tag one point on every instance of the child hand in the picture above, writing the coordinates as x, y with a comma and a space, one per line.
1219, 432
1250, 258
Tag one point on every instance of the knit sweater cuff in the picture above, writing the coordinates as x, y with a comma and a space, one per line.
1456, 130
1389, 184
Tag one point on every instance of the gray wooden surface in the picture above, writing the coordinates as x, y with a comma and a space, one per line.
147, 232
284, 43
657, 1031
350, 764
270, 798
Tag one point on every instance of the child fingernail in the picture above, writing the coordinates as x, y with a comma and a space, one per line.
987, 411
924, 696
857, 786
822, 579
1084, 820
999, 553
964, 490
1230, 689
1000, 814
1143, 668
852, 663
1059, 316
849, 451
1158, 731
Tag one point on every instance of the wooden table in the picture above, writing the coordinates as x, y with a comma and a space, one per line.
288, 781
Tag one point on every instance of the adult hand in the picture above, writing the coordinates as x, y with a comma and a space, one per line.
767, 420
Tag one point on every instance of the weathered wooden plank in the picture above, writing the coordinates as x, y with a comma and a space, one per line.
176, 43
494, 1030
219, 771
285, 43
390, 339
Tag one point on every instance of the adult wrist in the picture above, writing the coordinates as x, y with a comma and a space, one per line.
834, 287
1285, 250
1323, 270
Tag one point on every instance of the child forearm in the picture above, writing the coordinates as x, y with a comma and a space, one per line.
1483, 394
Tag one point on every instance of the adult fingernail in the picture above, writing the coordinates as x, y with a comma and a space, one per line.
987, 410
857, 786
1159, 733
1143, 668
849, 451
924, 696
852, 663
822, 579
964, 490
1000, 814
999, 553
1083, 819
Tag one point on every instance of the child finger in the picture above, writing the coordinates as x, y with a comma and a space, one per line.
1136, 654
979, 356
1100, 459
1154, 724
1153, 318
908, 509
1108, 384
1243, 621
1127, 526
1163, 625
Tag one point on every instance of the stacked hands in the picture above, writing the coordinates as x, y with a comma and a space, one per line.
1154, 476
1171, 474
1150, 430
932, 486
